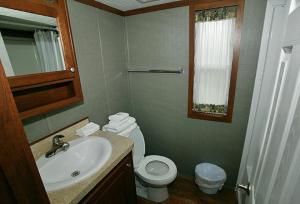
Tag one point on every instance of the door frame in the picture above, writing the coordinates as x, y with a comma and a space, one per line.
20, 181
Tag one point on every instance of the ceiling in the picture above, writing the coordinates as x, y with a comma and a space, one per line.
125, 5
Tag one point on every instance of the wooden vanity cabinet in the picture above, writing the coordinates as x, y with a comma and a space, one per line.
118, 187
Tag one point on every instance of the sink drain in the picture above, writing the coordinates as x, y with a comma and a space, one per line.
75, 173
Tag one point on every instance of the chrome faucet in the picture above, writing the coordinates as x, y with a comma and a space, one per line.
58, 145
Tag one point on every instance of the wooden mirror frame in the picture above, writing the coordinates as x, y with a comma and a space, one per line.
40, 93
236, 51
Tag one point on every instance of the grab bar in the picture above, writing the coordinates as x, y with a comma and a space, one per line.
158, 71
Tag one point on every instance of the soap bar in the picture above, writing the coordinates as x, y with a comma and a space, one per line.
88, 129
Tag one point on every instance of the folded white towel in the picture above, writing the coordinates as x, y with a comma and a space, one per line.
87, 130
117, 129
116, 124
127, 131
118, 116
119, 121
104, 128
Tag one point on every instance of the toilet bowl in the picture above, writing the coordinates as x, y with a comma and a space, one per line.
155, 172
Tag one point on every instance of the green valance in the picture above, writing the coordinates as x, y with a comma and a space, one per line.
210, 108
216, 14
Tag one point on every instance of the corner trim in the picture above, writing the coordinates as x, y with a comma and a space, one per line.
102, 6
170, 5
159, 7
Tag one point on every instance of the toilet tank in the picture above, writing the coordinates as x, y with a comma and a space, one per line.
138, 151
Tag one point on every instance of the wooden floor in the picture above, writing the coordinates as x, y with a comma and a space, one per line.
184, 191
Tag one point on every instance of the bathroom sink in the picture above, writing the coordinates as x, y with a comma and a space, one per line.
84, 158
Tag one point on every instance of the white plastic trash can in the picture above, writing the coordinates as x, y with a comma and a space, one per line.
210, 178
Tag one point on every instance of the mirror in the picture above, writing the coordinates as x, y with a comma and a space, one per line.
29, 43
38, 55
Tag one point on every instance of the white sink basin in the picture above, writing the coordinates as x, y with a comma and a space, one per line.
84, 158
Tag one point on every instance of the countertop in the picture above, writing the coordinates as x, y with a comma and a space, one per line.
121, 146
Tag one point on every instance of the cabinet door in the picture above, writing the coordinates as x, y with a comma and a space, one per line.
115, 193
118, 187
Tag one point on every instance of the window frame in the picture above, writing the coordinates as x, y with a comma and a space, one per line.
211, 4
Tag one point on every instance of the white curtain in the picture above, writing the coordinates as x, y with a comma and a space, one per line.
213, 61
49, 50
5, 59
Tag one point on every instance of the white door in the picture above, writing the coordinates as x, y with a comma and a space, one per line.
271, 157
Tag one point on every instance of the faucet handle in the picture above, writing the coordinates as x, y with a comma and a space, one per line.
65, 146
57, 139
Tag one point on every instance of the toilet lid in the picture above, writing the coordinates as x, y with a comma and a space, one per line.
138, 151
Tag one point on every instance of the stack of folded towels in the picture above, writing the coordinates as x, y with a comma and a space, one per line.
120, 123
88, 129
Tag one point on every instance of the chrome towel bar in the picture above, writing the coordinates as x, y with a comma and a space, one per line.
158, 71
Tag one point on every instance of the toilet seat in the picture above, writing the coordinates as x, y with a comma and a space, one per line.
166, 177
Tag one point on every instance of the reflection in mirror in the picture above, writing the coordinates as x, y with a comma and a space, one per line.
29, 43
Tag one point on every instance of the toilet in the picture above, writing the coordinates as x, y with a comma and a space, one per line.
153, 173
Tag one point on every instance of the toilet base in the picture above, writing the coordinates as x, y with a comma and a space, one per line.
158, 194
141, 190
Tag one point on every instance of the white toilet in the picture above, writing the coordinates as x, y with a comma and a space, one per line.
154, 172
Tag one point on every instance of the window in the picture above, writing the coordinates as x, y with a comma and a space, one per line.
214, 52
